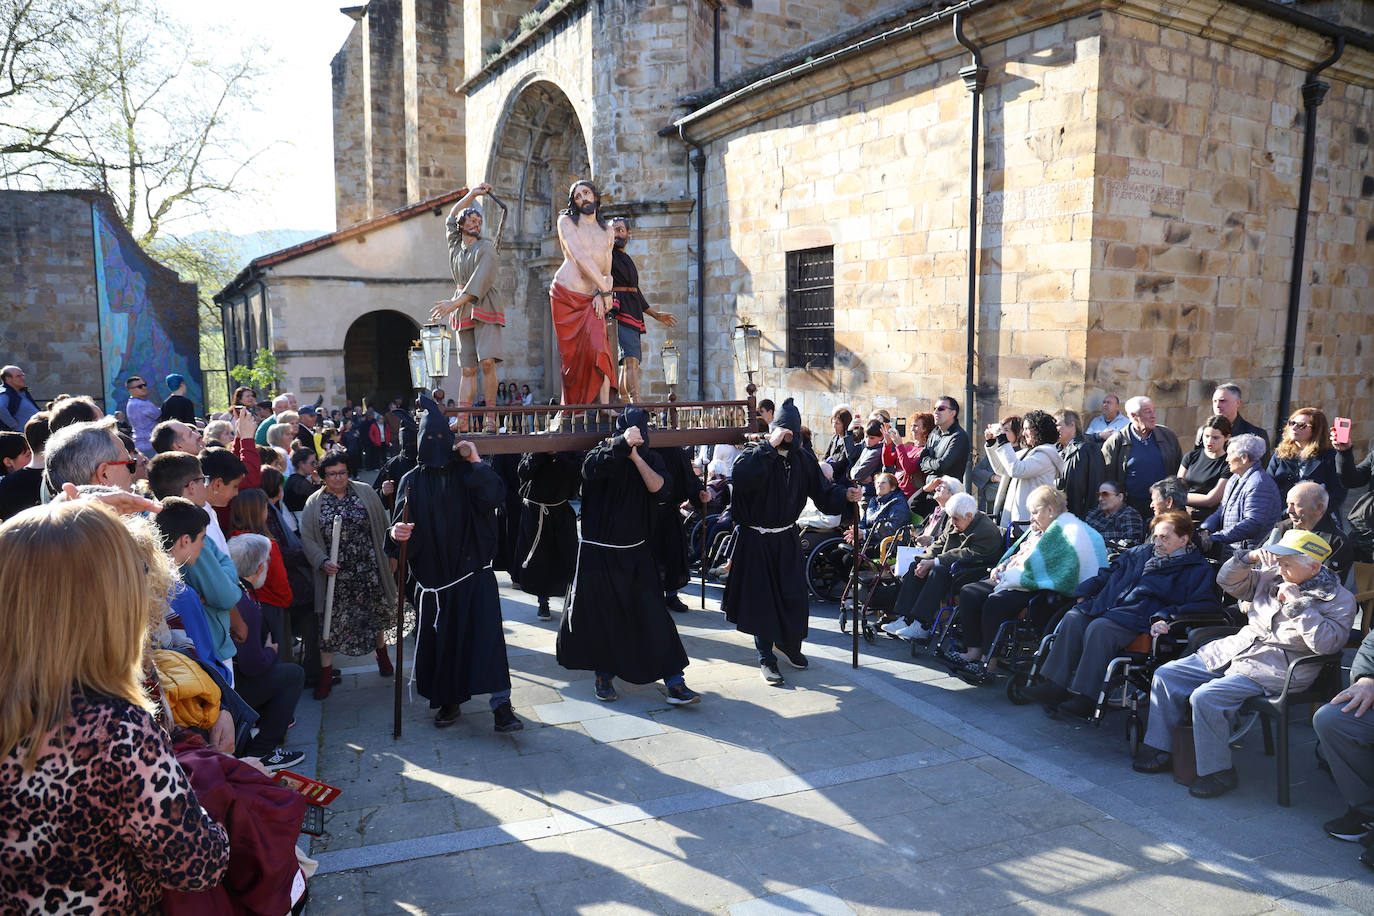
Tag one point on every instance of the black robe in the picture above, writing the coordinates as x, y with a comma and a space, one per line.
460, 646
547, 553
669, 541
765, 594
394, 469
508, 518
616, 620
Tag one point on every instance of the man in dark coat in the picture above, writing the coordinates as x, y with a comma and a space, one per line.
616, 623
1084, 468
508, 519
765, 595
460, 648
669, 541
546, 547
399, 465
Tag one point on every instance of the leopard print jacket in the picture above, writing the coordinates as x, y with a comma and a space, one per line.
105, 820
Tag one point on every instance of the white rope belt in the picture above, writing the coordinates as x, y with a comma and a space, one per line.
539, 531
577, 568
425, 590
770, 530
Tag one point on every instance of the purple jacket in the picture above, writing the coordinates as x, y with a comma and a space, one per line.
1250, 506
142, 414
254, 659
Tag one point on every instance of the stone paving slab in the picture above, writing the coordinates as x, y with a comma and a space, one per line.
893, 788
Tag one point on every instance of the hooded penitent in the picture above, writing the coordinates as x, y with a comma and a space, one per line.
637, 416
788, 417
436, 439
409, 433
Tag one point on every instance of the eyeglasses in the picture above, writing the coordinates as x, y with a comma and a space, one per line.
1299, 424
336, 473
942, 409
130, 464
138, 386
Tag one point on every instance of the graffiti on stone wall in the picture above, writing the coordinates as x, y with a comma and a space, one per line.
133, 339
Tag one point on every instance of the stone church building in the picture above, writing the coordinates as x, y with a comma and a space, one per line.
806, 164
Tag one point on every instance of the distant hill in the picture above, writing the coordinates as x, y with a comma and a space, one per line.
244, 248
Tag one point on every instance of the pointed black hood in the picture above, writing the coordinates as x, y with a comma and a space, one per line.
408, 435
634, 416
788, 417
436, 439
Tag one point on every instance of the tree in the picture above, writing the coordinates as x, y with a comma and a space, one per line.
265, 375
115, 95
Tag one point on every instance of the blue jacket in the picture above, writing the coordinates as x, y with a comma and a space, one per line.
886, 514
187, 605
1250, 506
1140, 586
216, 580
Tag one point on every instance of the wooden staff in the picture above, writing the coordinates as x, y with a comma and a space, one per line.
400, 622
702, 570
329, 588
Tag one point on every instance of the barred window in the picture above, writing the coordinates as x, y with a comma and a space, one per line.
811, 308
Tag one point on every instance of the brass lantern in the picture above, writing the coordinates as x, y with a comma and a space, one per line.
435, 341
747, 342
670, 356
419, 377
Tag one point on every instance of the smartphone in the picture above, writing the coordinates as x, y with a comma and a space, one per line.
1341, 430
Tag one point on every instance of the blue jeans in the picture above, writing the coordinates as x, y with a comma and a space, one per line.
672, 680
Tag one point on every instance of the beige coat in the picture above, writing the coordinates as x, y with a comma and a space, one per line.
1265, 646
317, 548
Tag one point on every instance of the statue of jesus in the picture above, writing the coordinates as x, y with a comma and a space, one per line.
581, 294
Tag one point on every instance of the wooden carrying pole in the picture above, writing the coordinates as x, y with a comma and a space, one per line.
400, 623
329, 588
854, 586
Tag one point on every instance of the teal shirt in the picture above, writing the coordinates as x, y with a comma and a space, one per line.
215, 578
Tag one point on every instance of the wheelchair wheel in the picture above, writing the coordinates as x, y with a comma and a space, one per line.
1016, 689
1135, 733
826, 576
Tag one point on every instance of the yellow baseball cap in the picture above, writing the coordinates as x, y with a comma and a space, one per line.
1296, 542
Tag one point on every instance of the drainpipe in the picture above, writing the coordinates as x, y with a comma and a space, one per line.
1313, 94
698, 157
975, 77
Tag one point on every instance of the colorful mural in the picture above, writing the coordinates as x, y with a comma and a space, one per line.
133, 338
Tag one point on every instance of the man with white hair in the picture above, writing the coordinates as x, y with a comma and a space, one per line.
88, 453
972, 540
1295, 608
1251, 502
17, 406
1141, 454
280, 405
1306, 507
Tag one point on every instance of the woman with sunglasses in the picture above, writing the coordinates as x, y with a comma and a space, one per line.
1305, 453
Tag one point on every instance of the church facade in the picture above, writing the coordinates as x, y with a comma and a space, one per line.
806, 166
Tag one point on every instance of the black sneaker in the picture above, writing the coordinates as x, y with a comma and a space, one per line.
1150, 760
770, 673
281, 758
1077, 706
1214, 784
544, 612
794, 657
675, 604
447, 715
682, 695
1047, 692
506, 720
1352, 826
605, 690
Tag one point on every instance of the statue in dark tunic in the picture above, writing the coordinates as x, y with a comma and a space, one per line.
616, 623
765, 595
546, 548
460, 649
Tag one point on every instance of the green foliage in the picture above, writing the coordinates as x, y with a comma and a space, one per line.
209, 260
530, 20
265, 375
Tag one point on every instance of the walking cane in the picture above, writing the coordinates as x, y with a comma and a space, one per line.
401, 622
329, 588
703, 553
854, 586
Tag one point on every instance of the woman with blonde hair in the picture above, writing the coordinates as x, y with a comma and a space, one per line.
1305, 453
101, 817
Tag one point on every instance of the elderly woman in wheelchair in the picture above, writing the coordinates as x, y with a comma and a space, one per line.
1163, 580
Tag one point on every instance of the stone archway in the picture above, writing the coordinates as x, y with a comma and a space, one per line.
375, 365
540, 149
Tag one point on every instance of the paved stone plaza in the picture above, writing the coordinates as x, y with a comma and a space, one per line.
890, 789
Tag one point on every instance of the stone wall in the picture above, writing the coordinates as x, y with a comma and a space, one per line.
434, 124
757, 32
49, 302
1199, 162
350, 139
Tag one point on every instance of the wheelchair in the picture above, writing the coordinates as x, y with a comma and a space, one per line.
830, 561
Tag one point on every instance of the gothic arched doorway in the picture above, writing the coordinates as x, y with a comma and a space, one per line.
375, 365
540, 150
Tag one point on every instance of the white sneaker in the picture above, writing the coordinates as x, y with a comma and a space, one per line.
915, 631
895, 627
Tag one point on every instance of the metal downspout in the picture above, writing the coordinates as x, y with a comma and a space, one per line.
1313, 94
698, 157
975, 77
